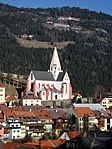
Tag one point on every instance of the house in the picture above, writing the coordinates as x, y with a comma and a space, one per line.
2, 93
101, 119
84, 118
108, 123
10, 101
15, 129
59, 119
69, 135
12, 123
30, 100
106, 102
35, 129
51, 85
29, 123
44, 118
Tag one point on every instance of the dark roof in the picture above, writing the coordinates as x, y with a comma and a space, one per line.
60, 76
30, 97
43, 75
57, 113
29, 108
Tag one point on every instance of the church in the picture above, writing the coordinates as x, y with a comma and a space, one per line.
53, 84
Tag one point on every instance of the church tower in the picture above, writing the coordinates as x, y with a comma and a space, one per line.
55, 66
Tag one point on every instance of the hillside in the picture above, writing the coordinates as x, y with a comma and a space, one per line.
85, 38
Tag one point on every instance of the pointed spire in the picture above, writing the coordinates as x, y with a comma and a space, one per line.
55, 58
55, 66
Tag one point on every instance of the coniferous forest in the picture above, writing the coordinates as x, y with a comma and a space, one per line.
88, 59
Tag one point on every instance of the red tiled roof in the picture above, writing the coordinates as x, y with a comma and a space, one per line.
47, 143
27, 146
73, 134
81, 111
32, 143
15, 145
17, 109
1, 118
10, 145
42, 114
3, 107
11, 98
24, 114
8, 113
58, 142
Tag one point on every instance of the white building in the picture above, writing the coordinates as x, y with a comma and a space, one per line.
15, 129
2, 94
106, 102
52, 85
30, 100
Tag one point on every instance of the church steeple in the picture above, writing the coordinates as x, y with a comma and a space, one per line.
55, 66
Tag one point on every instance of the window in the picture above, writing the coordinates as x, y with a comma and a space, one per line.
31, 76
17, 130
13, 137
108, 120
59, 120
32, 87
80, 118
16, 125
18, 136
55, 96
14, 131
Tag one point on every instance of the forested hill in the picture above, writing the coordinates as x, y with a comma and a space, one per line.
88, 59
